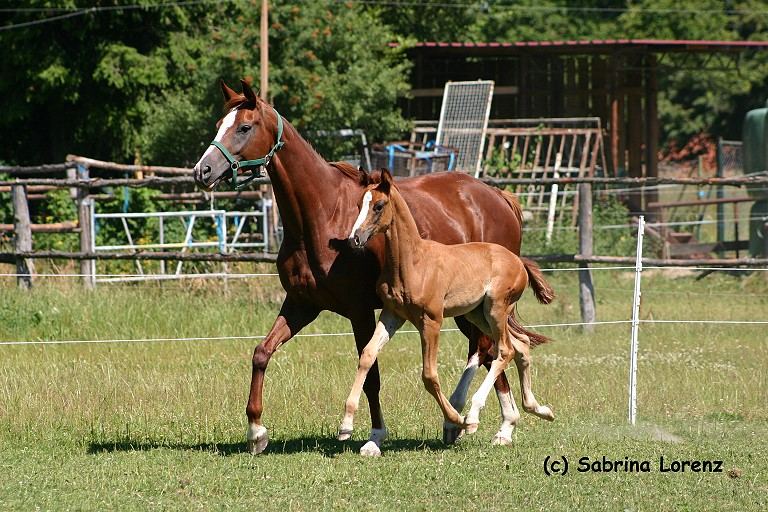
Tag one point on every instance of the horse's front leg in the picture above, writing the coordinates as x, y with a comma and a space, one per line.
292, 318
388, 324
430, 341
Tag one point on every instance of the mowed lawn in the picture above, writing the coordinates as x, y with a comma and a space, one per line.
161, 424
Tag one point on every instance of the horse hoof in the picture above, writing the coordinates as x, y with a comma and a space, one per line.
344, 435
370, 449
545, 413
501, 440
471, 428
258, 439
452, 433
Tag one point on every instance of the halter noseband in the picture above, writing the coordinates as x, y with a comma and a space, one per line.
259, 164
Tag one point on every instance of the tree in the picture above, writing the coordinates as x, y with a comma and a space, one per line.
141, 83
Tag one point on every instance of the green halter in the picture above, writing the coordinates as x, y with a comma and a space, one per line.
260, 164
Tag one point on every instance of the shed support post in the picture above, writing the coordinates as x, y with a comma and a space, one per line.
586, 288
84, 205
22, 240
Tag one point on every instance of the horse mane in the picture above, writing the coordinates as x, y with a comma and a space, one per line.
347, 169
234, 102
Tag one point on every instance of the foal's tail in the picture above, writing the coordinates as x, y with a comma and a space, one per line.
541, 288
521, 332
543, 292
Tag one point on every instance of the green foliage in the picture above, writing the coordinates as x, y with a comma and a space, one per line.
691, 99
608, 239
500, 163
141, 84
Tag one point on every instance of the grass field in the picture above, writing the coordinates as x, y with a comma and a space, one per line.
161, 424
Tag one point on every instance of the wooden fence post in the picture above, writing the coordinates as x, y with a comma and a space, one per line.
84, 205
586, 289
22, 229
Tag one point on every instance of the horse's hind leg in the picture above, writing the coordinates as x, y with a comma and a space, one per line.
451, 431
523, 362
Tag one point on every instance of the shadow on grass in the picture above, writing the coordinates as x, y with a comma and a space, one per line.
327, 447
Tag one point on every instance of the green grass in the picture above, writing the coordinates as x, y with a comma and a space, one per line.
161, 424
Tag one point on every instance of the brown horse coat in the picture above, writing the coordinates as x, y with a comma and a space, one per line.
318, 204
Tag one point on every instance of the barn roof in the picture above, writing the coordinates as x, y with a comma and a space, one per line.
592, 46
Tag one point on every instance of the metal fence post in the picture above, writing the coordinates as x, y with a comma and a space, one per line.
22, 239
635, 323
586, 288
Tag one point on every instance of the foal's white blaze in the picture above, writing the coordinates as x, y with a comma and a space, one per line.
226, 123
363, 213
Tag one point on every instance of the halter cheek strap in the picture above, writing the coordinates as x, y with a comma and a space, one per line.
259, 165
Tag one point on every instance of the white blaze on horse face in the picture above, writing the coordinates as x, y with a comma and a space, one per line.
363, 213
226, 123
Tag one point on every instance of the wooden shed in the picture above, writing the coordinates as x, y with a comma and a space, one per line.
615, 80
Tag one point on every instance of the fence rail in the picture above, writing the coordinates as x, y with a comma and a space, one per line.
158, 181
83, 184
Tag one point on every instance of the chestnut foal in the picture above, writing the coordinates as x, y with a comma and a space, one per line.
424, 281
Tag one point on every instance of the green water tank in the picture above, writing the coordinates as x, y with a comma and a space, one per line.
758, 216
755, 146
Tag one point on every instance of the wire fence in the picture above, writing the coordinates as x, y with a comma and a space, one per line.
635, 322
344, 334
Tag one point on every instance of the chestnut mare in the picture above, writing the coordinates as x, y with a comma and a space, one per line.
318, 204
424, 281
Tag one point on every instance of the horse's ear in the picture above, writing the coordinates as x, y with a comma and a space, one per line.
365, 178
248, 93
386, 182
226, 91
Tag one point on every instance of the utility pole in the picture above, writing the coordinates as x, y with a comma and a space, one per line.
264, 94
264, 50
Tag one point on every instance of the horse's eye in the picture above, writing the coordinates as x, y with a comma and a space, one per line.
244, 128
378, 206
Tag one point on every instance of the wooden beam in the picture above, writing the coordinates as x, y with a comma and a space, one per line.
437, 92
111, 166
264, 51
22, 240
54, 227
635, 136
586, 288
651, 133
704, 202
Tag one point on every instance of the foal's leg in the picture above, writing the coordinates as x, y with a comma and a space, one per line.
364, 326
495, 314
523, 363
451, 431
292, 318
510, 415
388, 324
430, 340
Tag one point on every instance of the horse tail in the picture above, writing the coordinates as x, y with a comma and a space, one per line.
513, 203
519, 331
541, 288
